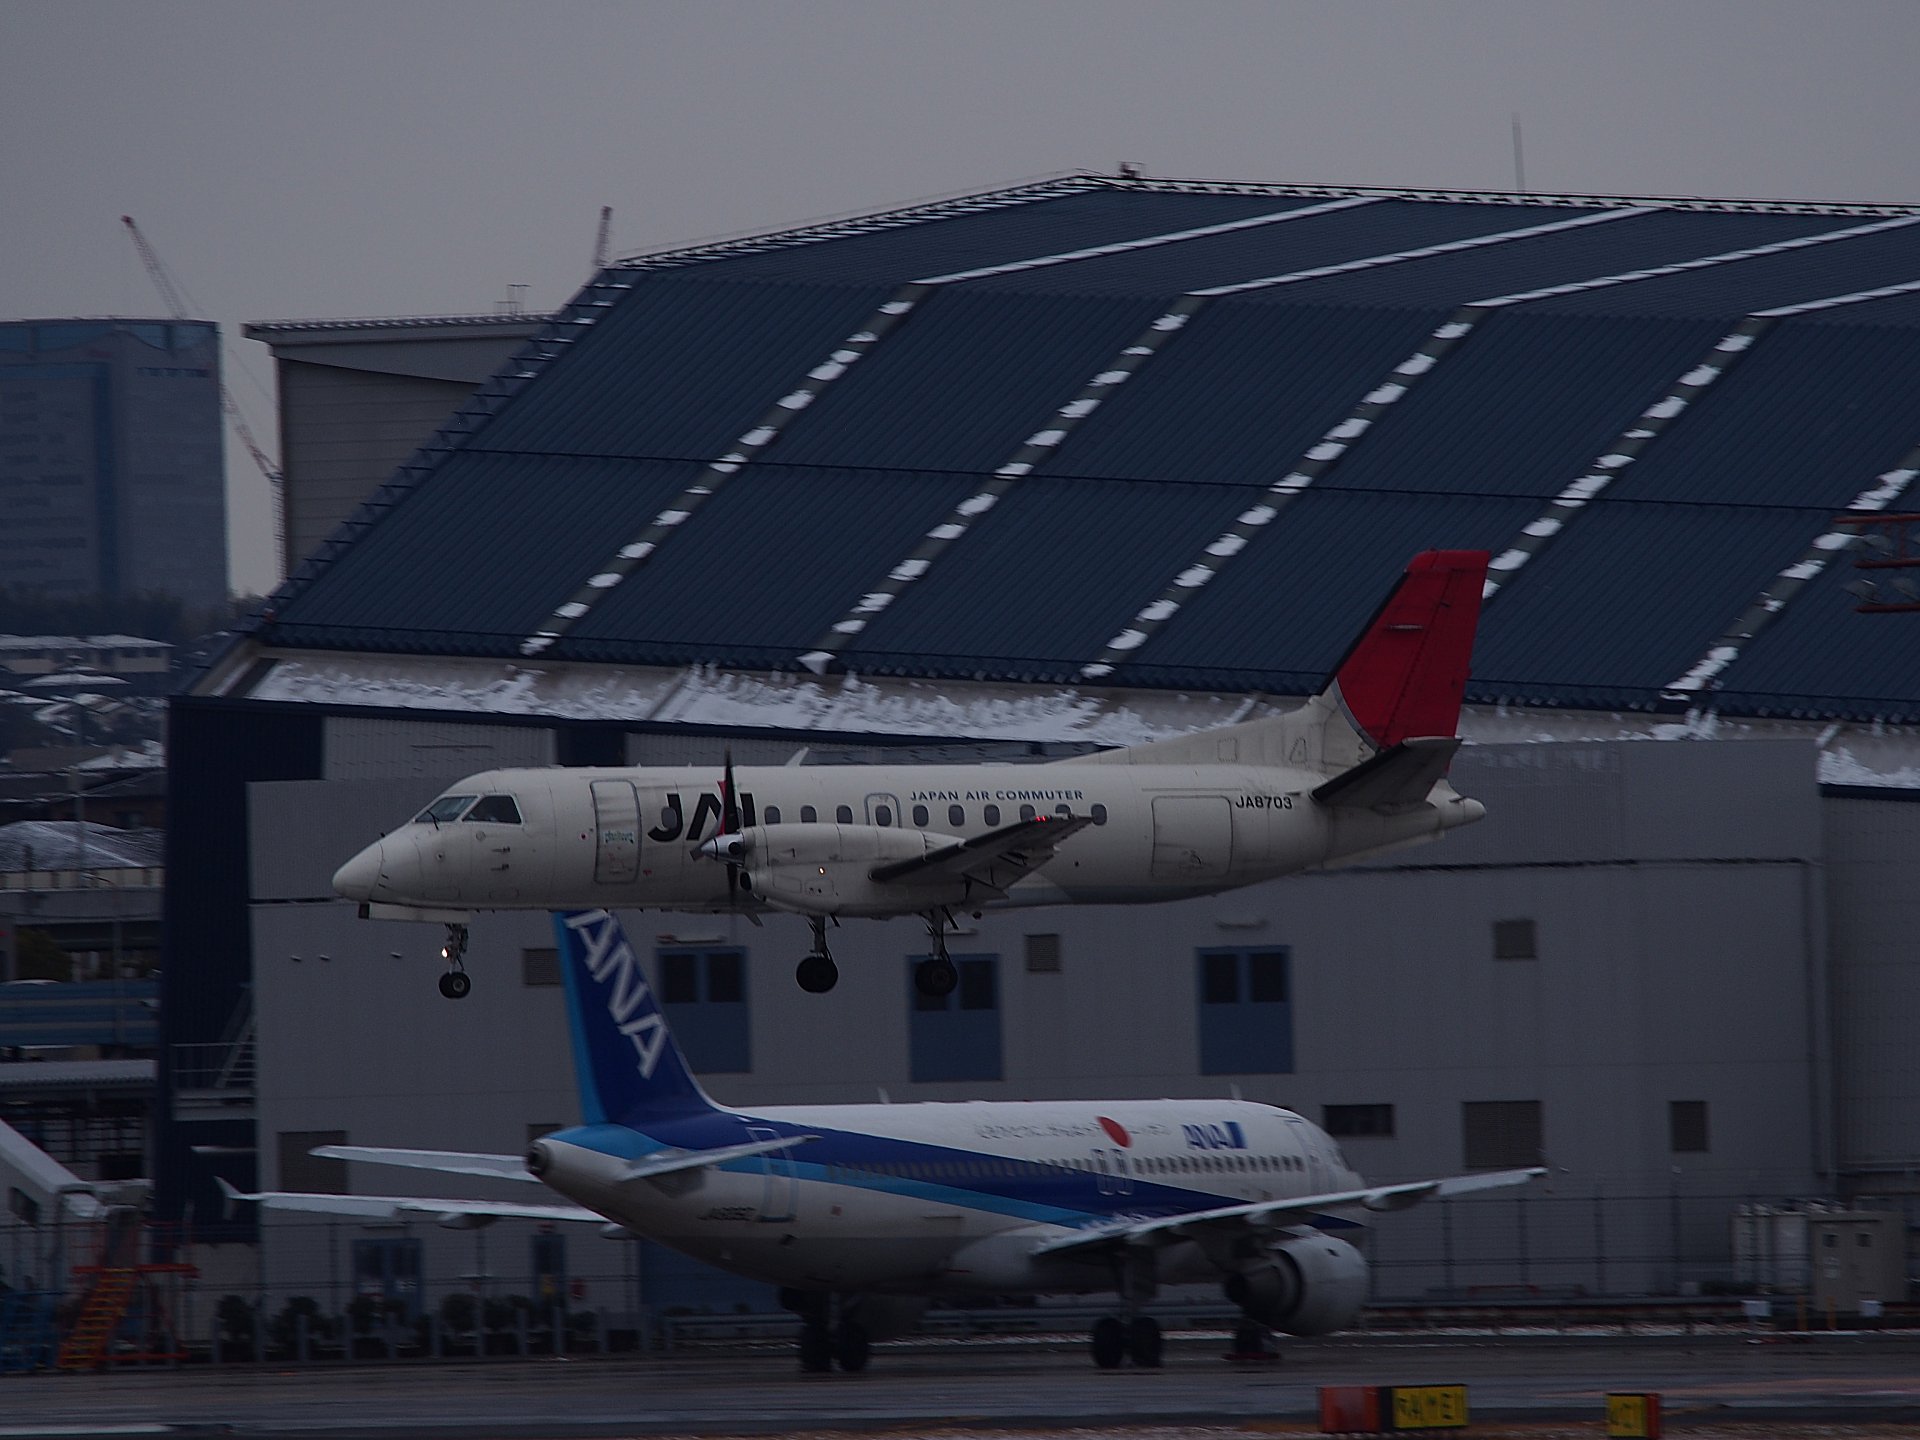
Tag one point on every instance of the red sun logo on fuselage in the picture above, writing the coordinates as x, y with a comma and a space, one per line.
1116, 1132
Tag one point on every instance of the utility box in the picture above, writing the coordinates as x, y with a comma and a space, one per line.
1858, 1255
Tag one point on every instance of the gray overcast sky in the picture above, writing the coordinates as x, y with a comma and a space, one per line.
337, 158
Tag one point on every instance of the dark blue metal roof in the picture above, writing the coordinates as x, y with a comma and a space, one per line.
1411, 433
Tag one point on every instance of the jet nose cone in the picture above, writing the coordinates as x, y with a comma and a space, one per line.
359, 878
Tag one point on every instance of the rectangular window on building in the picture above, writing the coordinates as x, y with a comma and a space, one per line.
1501, 1134
540, 966
1246, 1012
1515, 940
1354, 1122
957, 1036
1687, 1126
302, 1170
1043, 954
703, 994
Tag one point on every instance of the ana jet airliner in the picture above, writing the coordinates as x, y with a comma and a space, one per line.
864, 1213
1360, 768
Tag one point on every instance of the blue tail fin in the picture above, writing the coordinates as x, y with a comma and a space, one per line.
628, 1067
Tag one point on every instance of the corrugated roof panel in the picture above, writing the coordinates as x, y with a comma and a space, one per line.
1380, 228
1820, 657
1629, 598
996, 237
1523, 406
1241, 393
1810, 410
1044, 578
481, 552
1899, 310
1743, 286
772, 560
965, 381
1282, 613
1637, 242
679, 369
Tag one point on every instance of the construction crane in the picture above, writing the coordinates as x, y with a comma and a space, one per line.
163, 281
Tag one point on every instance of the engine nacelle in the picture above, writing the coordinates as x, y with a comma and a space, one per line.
828, 869
1311, 1285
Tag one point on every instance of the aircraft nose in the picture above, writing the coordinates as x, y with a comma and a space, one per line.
359, 878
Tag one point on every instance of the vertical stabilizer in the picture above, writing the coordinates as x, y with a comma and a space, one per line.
626, 1062
1405, 676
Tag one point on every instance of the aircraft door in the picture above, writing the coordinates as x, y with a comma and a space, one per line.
781, 1193
1192, 837
616, 827
883, 810
1318, 1180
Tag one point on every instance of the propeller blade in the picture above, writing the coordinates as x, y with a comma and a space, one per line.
730, 821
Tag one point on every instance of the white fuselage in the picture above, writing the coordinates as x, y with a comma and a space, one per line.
626, 837
947, 1198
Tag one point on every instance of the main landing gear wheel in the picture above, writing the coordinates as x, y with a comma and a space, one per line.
1109, 1342
1143, 1342
455, 983
850, 1346
817, 974
935, 977
816, 1346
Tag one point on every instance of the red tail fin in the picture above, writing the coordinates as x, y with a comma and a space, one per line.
1405, 675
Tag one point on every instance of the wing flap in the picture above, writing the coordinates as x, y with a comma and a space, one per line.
445, 1162
995, 860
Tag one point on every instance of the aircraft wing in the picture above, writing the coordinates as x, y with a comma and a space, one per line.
994, 861
456, 1213
1396, 779
1278, 1214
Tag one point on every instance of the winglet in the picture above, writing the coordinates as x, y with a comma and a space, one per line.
1407, 673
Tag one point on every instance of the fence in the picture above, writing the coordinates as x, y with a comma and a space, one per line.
336, 1287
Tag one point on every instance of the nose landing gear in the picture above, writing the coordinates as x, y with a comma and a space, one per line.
455, 983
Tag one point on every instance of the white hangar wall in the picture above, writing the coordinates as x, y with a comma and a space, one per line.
1678, 900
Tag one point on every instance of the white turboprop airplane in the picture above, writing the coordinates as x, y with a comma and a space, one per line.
1360, 768
863, 1213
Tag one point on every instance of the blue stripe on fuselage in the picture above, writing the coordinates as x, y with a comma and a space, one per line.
1056, 1196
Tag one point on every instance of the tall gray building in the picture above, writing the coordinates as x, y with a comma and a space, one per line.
112, 478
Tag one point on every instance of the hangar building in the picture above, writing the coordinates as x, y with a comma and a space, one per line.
1099, 460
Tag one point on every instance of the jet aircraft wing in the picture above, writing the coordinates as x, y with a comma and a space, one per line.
994, 861
1276, 1214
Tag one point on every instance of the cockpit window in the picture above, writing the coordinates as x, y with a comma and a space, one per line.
496, 809
447, 807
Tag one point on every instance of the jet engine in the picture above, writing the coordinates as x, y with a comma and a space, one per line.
1310, 1285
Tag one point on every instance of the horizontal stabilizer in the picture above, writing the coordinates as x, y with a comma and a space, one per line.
458, 1214
1398, 778
995, 860
670, 1162
446, 1162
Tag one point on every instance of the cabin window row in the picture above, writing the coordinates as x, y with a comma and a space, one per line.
990, 815
1012, 1169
